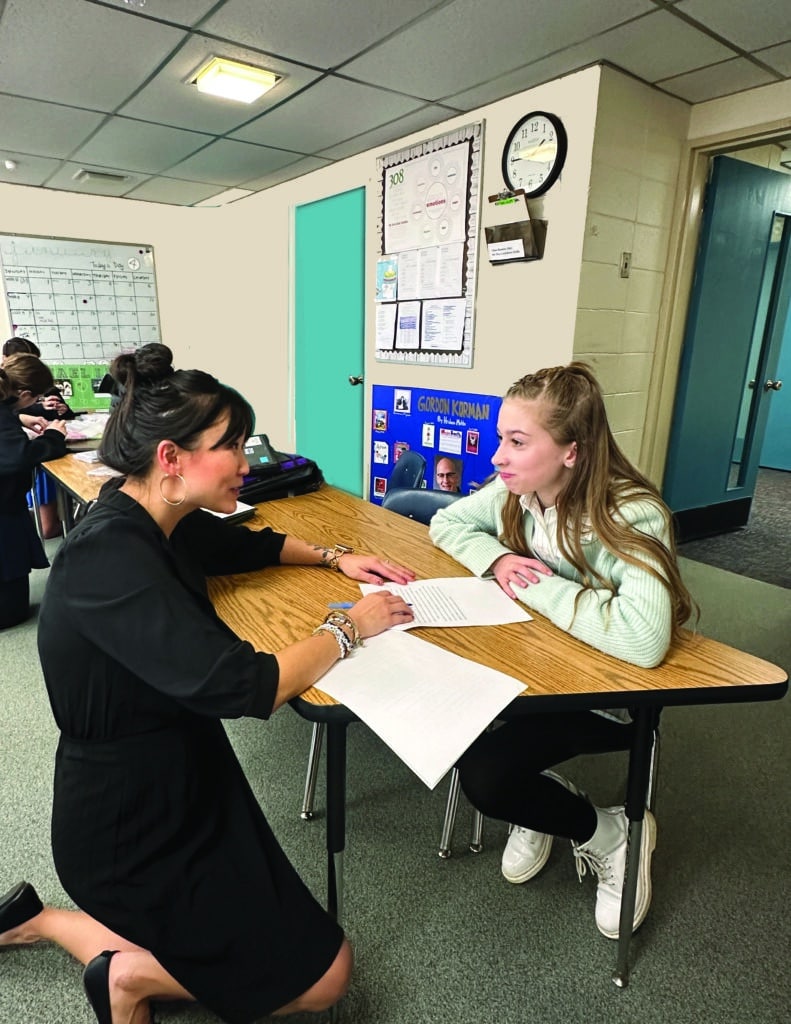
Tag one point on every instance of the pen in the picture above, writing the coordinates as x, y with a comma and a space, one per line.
341, 604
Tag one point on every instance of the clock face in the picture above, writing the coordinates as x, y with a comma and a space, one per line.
534, 153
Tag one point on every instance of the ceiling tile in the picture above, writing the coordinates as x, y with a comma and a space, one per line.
719, 80
415, 122
172, 190
755, 25
232, 163
140, 146
122, 51
331, 110
46, 129
508, 34
294, 170
168, 98
30, 170
777, 57
178, 12
322, 34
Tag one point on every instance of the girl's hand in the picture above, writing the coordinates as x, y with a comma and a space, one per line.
370, 569
38, 424
518, 571
58, 425
377, 612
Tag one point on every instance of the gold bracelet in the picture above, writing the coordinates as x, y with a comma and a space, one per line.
338, 551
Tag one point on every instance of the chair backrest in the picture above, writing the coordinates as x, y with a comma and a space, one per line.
415, 503
408, 470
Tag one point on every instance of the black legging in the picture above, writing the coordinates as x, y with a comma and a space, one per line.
14, 601
501, 771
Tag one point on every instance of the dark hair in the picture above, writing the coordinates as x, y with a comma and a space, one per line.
160, 403
24, 372
24, 345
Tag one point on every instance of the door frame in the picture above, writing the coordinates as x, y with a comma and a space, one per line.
682, 259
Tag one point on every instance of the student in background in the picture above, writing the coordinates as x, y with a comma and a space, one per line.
22, 377
183, 889
19, 346
571, 528
48, 407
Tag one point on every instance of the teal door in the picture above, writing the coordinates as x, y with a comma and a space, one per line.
776, 452
731, 348
329, 324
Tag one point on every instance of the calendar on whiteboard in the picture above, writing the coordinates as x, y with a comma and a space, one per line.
80, 301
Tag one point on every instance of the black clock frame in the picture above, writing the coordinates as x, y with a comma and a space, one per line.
560, 159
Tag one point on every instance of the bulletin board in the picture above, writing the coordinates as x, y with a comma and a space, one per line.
452, 430
428, 239
81, 302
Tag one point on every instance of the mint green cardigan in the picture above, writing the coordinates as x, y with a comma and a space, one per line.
634, 625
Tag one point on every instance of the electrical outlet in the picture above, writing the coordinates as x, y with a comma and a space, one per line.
626, 263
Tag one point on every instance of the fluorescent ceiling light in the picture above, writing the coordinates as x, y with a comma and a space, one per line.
234, 81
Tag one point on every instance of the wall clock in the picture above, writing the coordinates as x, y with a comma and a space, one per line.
534, 153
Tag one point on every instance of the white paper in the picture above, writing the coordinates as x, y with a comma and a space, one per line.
241, 510
408, 325
463, 601
385, 324
426, 704
442, 327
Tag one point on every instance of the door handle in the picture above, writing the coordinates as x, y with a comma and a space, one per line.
773, 385
355, 380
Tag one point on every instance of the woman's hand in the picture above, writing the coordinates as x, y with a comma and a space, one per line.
518, 571
377, 612
370, 569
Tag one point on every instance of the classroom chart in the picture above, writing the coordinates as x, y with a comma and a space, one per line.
80, 301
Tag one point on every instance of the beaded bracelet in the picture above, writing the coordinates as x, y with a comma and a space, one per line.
344, 643
341, 619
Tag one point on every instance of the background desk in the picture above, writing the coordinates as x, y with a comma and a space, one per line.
274, 608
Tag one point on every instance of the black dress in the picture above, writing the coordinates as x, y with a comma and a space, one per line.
155, 830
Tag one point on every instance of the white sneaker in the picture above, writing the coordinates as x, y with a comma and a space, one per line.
527, 851
605, 855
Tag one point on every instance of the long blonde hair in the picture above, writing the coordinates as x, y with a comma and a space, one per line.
571, 408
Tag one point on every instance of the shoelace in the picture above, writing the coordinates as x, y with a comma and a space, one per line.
521, 831
590, 860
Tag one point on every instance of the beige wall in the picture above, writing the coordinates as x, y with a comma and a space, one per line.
637, 152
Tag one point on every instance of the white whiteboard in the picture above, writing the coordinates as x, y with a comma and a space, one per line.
80, 302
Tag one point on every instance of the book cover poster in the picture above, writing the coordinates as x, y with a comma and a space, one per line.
454, 431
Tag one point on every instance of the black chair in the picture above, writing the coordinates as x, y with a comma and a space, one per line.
408, 471
414, 503
417, 503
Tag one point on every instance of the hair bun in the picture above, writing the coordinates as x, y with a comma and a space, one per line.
148, 365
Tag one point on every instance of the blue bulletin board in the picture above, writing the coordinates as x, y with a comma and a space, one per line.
454, 431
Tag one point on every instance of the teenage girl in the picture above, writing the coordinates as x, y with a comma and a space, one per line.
571, 528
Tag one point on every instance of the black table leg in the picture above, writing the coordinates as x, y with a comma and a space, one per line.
645, 722
336, 816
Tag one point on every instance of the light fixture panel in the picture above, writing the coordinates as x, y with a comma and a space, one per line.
232, 80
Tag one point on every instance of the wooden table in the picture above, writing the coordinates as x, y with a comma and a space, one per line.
283, 604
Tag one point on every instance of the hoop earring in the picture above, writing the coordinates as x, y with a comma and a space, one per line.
175, 476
